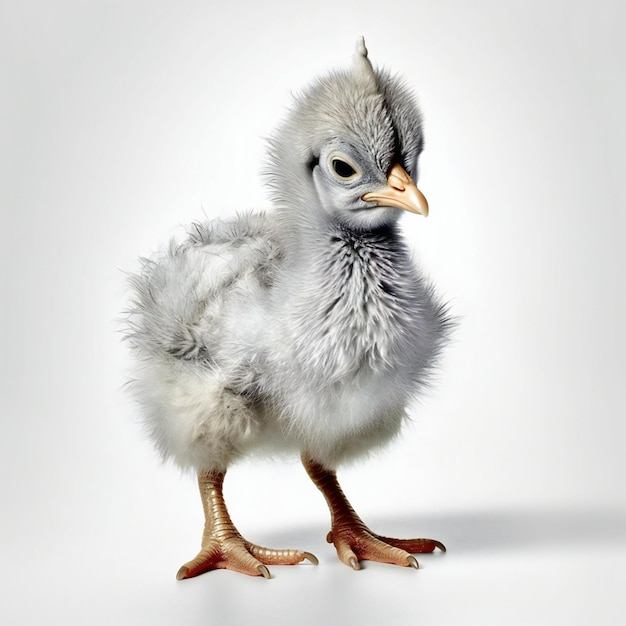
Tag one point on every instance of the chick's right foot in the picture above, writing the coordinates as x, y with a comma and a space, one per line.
223, 547
239, 555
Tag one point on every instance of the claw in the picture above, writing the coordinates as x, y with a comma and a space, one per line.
354, 564
329, 536
263, 571
311, 557
182, 573
440, 545
412, 562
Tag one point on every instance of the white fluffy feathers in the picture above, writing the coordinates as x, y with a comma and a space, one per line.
308, 328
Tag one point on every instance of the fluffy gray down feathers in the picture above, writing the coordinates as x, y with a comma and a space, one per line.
302, 329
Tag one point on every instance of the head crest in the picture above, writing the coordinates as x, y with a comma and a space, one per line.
361, 64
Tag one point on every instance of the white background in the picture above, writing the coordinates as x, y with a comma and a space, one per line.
122, 119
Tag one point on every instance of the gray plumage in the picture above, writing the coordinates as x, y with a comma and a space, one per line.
308, 328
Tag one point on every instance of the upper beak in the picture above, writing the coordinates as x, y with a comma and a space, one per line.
400, 191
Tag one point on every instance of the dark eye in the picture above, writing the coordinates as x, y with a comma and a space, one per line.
343, 169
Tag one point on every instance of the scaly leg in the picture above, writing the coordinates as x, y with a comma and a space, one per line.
353, 540
222, 545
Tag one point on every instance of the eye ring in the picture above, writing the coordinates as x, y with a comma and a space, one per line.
342, 167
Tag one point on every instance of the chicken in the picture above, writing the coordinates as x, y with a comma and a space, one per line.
305, 330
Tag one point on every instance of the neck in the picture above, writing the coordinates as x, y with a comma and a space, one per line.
308, 237
327, 264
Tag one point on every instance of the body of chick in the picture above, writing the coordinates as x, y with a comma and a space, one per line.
250, 339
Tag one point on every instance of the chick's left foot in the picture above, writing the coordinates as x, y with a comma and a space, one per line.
355, 542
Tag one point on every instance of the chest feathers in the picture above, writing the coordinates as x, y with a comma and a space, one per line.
360, 307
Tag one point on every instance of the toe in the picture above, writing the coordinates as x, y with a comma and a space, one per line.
347, 555
376, 550
205, 560
268, 556
413, 546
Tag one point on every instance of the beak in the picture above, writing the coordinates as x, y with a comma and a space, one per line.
400, 191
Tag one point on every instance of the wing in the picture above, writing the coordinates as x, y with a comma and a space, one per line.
180, 294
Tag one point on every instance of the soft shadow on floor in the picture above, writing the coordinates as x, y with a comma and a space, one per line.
490, 530
527, 528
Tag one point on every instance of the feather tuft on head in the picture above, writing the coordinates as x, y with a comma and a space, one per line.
361, 64
360, 48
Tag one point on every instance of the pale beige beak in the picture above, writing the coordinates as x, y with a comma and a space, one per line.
400, 191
